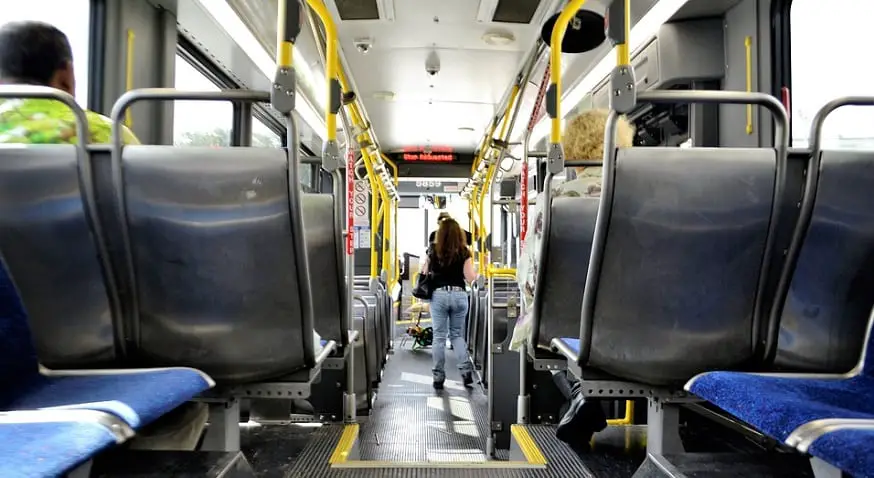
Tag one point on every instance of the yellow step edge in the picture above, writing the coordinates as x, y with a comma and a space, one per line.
528, 446
491, 464
344, 445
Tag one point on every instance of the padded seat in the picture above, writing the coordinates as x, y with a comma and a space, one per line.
784, 405
851, 450
49, 448
138, 397
778, 405
570, 344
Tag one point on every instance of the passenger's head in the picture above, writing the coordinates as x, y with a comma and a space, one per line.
450, 242
584, 136
36, 53
443, 216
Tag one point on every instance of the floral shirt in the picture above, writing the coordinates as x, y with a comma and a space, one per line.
587, 184
42, 121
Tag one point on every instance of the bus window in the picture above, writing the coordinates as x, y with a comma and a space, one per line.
828, 41
199, 123
263, 136
71, 17
412, 237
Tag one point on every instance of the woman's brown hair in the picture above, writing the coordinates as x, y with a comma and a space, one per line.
450, 244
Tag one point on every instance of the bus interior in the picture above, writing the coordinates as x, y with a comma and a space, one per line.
234, 297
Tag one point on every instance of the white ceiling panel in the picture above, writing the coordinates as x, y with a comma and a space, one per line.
473, 77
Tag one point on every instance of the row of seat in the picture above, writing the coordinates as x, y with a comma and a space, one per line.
186, 259
505, 310
211, 254
726, 259
828, 415
373, 320
692, 225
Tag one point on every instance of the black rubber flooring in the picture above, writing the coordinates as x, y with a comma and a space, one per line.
411, 422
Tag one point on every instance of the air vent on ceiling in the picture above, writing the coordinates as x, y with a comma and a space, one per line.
515, 11
357, 9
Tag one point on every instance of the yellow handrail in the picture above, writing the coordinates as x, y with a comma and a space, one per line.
490, 173
628, 419
504, 271
558, 31
374, 212
392, 165
396, 273
623, 54
332, 62
334, 72
748, 46
129, 75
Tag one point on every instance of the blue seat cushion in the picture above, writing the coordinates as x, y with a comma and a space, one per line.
49, 449
574, 344
850, 450
137, 397
777, 405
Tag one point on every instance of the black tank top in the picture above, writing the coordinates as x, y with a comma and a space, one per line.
449, 275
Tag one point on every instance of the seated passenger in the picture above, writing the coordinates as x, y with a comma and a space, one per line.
583, 140
36, 53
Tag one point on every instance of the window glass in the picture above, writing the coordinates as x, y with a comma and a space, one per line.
826, 65
200, 123
263, 136
71, 17
412, 237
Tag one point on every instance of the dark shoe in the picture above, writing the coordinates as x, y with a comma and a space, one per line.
467, 378
582, 420
438, 384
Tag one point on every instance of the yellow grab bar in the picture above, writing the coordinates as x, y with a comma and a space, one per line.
628, 419
374, 212
623, 55
332, 62
392, 165
129, 75
504, 271
748, 45
558, 31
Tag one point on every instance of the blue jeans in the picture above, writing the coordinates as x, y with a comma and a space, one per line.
448, 313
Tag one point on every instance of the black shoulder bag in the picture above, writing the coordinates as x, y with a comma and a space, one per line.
424, 288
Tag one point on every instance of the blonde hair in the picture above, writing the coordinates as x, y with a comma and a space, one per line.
584, 135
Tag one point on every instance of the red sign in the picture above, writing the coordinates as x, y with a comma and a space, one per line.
429, 157
350, 202
523, 209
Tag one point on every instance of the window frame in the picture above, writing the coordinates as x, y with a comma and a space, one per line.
781, 52
96, 55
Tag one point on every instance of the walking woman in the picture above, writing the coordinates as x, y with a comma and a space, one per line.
450, 263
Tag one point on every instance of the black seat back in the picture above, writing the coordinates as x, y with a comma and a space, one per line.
214, 262
829, 301
681, 263
567, 259
48, 238
323, 242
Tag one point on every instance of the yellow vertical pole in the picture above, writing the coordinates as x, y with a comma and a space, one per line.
129, 74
